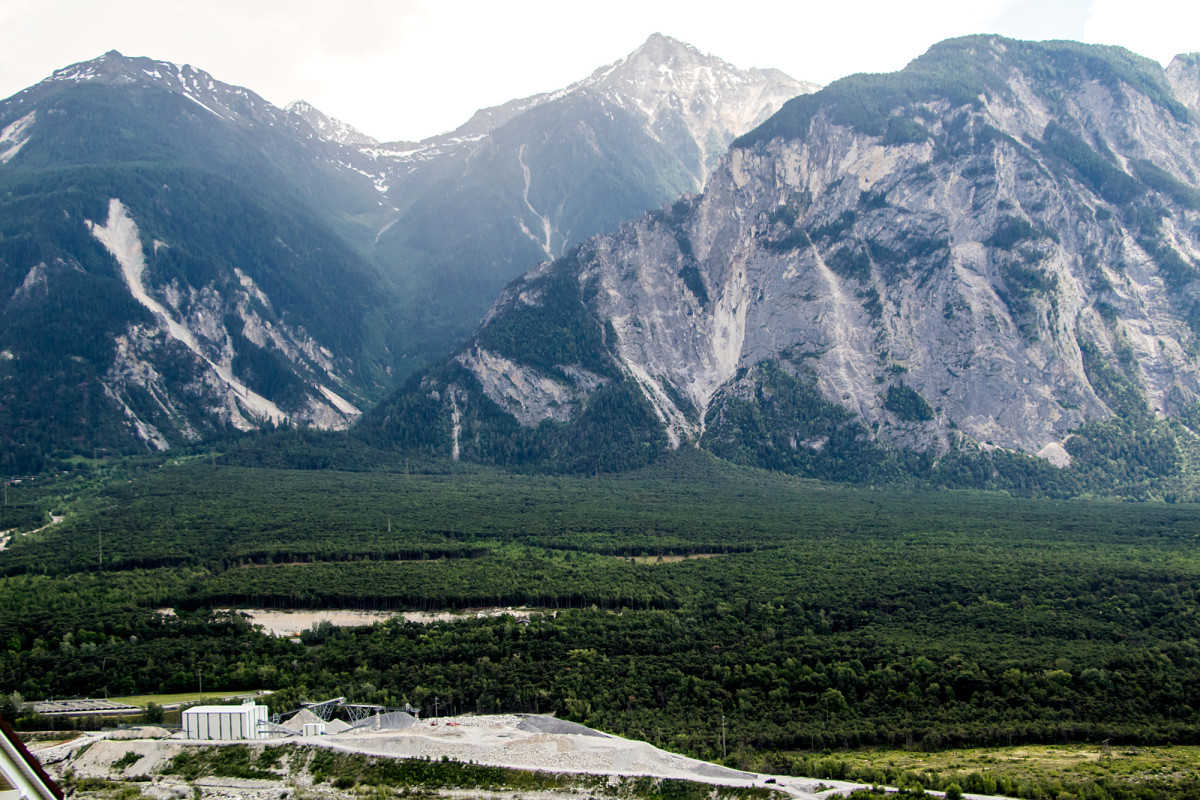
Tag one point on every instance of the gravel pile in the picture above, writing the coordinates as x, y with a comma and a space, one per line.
298, 721
535, 723
335, 726
530, 742
391, 721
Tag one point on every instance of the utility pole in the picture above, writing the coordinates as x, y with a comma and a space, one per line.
435, 708
100, 545
200, 681
724, 753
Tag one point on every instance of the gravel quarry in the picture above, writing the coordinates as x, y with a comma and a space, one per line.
534, 742
529, 742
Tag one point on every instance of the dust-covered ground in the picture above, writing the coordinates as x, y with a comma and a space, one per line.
143, 758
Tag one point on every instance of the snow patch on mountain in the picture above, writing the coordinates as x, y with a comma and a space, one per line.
206, 108
668, 82
547, 225
330, 128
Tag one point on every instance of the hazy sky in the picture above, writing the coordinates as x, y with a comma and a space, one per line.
406, 69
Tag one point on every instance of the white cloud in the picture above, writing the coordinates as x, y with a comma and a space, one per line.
1159, 29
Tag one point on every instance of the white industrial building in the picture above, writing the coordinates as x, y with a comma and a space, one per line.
247, 721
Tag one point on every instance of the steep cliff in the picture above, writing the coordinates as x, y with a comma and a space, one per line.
994, 248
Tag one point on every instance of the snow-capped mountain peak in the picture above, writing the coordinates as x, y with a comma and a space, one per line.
666, 80
662, 79
330, 128
222, 100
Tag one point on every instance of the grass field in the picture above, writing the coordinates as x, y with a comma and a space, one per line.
182, 698
1032, 765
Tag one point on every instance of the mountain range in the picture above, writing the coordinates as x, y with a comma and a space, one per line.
179, 258
981, 270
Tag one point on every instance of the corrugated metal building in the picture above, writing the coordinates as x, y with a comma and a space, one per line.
207, 723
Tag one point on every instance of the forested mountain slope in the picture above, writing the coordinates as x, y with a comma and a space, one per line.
171, 265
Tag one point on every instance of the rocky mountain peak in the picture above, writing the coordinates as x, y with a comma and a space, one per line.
110, 66
231, 103
330, 128
665, 79
114, 67
1183, 73
673, 83
661, 50
661, 64
1035, 80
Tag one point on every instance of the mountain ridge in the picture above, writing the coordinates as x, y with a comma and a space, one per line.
1002, 264
521, 182
229, 294
273, 281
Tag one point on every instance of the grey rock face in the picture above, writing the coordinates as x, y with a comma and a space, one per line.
975, 250
330, 128
525, 392
192, 328
1184, 74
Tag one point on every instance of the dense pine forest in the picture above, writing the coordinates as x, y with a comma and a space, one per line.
811, 616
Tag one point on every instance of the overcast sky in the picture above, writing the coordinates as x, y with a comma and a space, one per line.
406, 69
